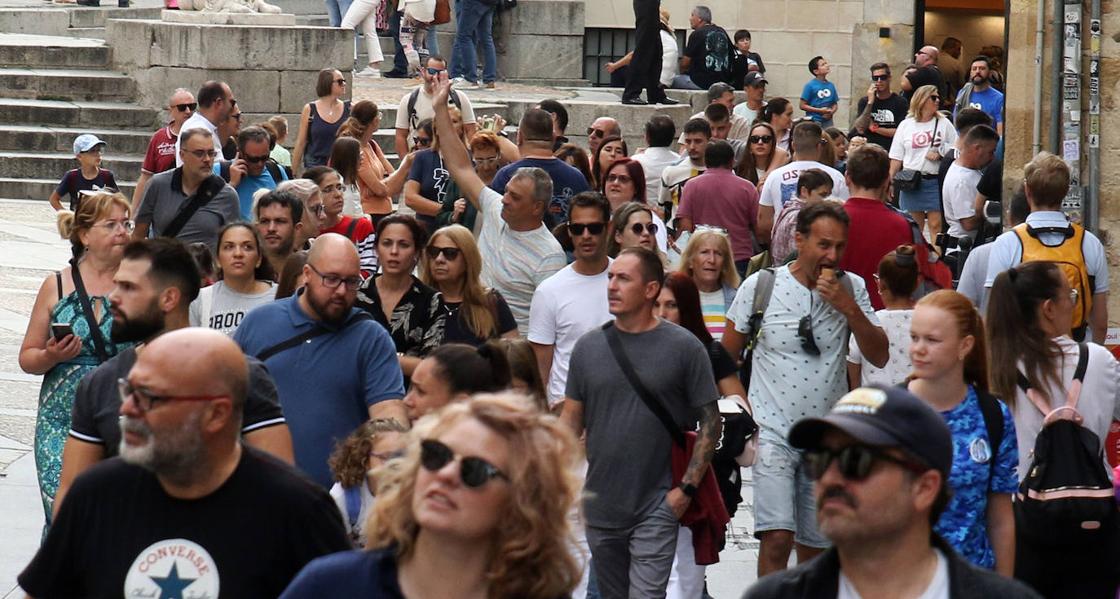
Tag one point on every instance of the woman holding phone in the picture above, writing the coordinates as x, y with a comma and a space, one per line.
68, 333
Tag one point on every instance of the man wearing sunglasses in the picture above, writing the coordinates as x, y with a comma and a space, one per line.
880, 461
161, 149
187, 504
881, 110
416, 105
253, 169
800, 339
923, 72
215, 105
574, 300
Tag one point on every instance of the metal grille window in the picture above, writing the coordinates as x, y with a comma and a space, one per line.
601, 46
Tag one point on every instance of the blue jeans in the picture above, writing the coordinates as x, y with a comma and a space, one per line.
336, 9
473, 20
400, 63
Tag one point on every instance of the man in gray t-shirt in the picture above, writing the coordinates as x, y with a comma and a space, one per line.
632, 510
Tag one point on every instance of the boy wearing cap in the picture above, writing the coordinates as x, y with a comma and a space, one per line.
89, 176
880, 461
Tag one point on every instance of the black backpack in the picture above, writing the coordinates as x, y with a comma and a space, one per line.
412, 120
1066, 499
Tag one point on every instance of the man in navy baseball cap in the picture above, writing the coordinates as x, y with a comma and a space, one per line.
880, 461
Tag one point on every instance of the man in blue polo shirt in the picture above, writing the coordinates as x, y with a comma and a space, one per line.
252, 169
333, 368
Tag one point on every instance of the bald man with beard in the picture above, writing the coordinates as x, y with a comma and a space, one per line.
186, 507
334, 366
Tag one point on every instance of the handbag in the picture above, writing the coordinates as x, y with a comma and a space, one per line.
443, 12
706, 510
907, 179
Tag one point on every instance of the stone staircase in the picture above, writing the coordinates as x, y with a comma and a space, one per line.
54, 88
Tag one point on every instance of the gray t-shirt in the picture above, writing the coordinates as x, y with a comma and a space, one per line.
628, 449
220, 308
164, 197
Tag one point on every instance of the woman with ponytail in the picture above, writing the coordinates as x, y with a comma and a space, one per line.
68, 334
378, 182
897, 280
1030, 309
948, 350
454, 372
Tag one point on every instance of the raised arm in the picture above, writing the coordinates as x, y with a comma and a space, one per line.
454, 153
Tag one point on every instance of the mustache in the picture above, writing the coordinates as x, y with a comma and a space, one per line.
136, 427
837, 493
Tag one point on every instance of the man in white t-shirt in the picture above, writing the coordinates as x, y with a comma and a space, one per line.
215, 105
518, 251
978, 148
658, 156
781, 184
407, 120
574, 300
799, 370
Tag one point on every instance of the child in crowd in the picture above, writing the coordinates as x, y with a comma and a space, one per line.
819, 98
279, 153
355, 462
813, 186
89, 176
743, 60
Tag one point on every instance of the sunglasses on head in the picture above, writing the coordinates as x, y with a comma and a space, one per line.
637, 228
191, 106
855, 462
577, 229
761, 139
474, 472
449, 253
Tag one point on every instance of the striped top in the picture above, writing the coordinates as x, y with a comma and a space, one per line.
715, 312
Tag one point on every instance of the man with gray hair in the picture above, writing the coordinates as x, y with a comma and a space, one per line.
253, 169
740, 128
518, 251
161, 149
707, 55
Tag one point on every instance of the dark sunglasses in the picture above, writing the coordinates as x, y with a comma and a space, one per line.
935, 98
421, 141
448, 253
474, 472
434, 71
577, 229
255, 159
855, 462
340, 81
805, 334
760, 139
880, 77
637, 228
192, 106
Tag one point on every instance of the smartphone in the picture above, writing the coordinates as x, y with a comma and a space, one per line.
60, 330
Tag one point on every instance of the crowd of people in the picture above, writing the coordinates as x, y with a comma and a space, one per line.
513, 367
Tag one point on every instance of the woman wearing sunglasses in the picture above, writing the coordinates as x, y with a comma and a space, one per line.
455, 372
410, 310
948, 351
1029, 314
452, 265
707, 259
920, 141
319, 122
762, 156
632, 224
477, 507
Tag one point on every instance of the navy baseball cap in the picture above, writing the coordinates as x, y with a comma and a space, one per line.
884, 417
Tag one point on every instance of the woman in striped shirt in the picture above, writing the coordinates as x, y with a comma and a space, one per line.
707, 260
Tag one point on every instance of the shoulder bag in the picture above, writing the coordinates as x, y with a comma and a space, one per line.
206, 192
87, 311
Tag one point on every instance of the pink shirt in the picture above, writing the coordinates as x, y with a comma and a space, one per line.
720, 198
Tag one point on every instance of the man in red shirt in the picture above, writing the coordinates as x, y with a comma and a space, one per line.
161, 149
876, 229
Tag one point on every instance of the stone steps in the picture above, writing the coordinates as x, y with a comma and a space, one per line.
41, 189
58, 19
34, 51
15, 111
65, 84
52, 165
38, 138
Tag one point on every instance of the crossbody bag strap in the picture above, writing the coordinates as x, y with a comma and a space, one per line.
315, 331
206, 191
87, 309
655, 406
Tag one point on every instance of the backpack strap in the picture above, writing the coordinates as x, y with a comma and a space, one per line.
315, 331
1072, 395
763, 290
412, 107
353, 504
274, 170
58, 282
993, 422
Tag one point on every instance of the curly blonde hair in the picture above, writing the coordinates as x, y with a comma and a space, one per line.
530, 556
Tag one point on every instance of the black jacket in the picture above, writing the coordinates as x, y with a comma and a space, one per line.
820, 579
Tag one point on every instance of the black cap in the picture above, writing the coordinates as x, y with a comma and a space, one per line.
754, 78
884, 417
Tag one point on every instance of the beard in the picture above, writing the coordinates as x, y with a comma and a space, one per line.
328, 310
175, 454
978, 80
143, 326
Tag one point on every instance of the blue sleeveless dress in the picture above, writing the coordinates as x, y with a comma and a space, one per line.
60, 383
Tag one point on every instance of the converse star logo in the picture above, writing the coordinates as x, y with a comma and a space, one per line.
173, 569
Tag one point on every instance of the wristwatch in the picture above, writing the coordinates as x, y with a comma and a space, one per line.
688, 489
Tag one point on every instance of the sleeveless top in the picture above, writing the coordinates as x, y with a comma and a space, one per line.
320, 136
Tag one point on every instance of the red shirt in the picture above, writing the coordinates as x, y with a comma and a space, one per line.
161, 152
363, 237
875, 231
718, 197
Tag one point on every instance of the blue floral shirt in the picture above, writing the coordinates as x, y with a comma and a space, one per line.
964, 524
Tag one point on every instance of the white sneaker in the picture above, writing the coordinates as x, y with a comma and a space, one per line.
370, 72
462, 83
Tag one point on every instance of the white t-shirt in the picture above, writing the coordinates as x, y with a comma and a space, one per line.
896, 323
654, 161
669, 61
197, 121
220, 308
781, 184
789, 384
938, 586
744, 111
959, 193
357, 531
971, 284
424, 109
913, 139
515, 262
565, 306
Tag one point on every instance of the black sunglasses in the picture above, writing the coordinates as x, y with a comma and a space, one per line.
805, 334
637, 228
935, 98
760, 139
340, 81
421, 141
448, 253
474, 472
854, 461
577, 229
255, 159
880, 77
192, 106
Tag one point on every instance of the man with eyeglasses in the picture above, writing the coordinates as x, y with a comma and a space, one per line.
335, 367
574, 300
188, 505
190, 202
924, 71
161, 149
155, 284
215, 105
799, 334
721, 198
880, 462
416, 105
881, 111
252, 170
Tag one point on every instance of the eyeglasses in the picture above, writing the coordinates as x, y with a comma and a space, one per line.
760, 139
318, 209
474, 472
145, 401
855, 462
340, 81
578, 229
236, 117
112, 225
619, 179
434, 71
421, 141
255, 159
805, 335
333, 281
203, 154
637, 228
880, 77
449, 253
592, 132
192, 106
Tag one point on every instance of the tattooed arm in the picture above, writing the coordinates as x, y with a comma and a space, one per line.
710, 428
